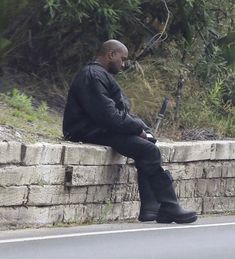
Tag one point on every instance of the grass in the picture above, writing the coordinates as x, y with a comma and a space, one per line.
146, 86
18, 111
200, 107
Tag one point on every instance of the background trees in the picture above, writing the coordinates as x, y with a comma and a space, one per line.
54, 38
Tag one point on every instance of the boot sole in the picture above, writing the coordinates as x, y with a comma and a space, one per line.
147, 216
168, 220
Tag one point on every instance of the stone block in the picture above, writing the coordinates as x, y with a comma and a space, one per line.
13, 196
106, 212
194, 204
55, 195
166, 150
117, 212
228, 169
191, 151
99, 194
84, 154
185, 188
178, 171
31, 216
75, 214
125, 192
131, 192
218, 204
229, 187
130, 209
118, 192
223, 150
194, 170
209, 187
27, 175
94, 212
41, 154
10, 152
212, 169
132, 174
93, 175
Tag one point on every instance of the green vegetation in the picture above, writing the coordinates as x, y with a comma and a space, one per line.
52, 39
19, 112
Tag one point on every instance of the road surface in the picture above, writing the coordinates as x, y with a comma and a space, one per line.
208, 238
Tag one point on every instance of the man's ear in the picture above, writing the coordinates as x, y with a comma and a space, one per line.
111, 54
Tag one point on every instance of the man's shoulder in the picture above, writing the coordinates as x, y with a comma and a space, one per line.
93, 71
96, 70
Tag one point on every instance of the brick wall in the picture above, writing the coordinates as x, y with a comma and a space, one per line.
47, 184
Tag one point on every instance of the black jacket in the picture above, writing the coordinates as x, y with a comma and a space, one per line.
96, 104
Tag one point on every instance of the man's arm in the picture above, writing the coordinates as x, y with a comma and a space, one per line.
96, 101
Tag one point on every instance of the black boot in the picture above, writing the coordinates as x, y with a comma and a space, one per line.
149, 206
170, 210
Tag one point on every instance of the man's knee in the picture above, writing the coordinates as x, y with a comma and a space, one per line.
152, 148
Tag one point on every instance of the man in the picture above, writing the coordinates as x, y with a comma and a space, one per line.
98, 112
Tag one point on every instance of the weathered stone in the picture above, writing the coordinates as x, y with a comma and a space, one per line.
125, 192
12, 196
103, 192
223, 150
178, 171
93, 175
84, 154
94, 212
117, 212
41, 153
75, 213
212, 169
228, 169
229, 189
26, 175
31, 216
10, 152
106, 212
100, 213
131, 209
132, 174
218, 204
191, 151
194, 204
99, 194
130, 161
209, 187
194, 170
166, 150
118, 193
131, 193
55, 195
185, 188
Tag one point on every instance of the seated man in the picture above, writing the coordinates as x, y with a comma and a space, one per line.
98, 112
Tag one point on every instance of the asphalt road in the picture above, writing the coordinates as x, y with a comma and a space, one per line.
208, 238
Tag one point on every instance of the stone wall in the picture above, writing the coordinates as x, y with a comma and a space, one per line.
49, 184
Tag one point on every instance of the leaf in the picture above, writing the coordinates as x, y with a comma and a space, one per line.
4, 43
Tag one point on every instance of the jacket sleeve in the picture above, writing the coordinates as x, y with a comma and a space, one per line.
99, 106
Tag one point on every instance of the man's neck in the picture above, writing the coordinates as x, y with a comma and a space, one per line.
102, 62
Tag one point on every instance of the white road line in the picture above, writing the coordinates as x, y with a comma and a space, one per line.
16, 240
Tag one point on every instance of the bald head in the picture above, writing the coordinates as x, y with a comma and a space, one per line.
112, 45
112, 56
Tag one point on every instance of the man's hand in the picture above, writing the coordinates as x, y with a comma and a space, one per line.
151, 138
148, 136
143, 134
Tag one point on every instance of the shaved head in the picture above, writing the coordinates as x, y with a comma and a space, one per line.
112, 45
112, 56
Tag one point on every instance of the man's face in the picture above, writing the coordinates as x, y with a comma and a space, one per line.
117, 60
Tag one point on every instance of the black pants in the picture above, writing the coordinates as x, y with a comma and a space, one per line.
146, 155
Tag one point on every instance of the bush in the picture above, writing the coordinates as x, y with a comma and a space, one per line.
23, 108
